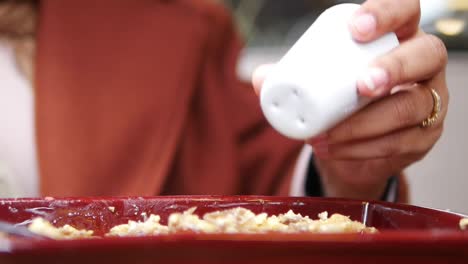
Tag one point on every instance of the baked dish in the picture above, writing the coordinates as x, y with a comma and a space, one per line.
230, 221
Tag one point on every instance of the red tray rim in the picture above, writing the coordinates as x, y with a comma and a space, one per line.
403, 238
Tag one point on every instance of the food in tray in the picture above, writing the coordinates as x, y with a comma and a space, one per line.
43, 227
464, 223
230, 221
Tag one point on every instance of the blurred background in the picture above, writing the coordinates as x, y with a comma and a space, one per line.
270, 27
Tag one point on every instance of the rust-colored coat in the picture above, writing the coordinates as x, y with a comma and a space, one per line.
141, 98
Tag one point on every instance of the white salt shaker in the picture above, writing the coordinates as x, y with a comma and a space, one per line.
313, 87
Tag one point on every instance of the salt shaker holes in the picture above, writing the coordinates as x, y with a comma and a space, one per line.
301, 120
295, 92
275, 106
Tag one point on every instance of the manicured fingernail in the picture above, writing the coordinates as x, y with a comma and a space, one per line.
365, 24
259, 76
373, 79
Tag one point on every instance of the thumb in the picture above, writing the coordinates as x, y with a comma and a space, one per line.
259, 76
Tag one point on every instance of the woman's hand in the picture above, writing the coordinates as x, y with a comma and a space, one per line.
356, 158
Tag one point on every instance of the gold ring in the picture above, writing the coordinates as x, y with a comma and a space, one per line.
435, 110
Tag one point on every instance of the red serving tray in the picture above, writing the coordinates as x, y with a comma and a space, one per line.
408, 233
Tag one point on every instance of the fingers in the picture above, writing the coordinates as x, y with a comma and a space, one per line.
414, 142
389, 127
378, 17
401, 110
259, 76
415, 60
